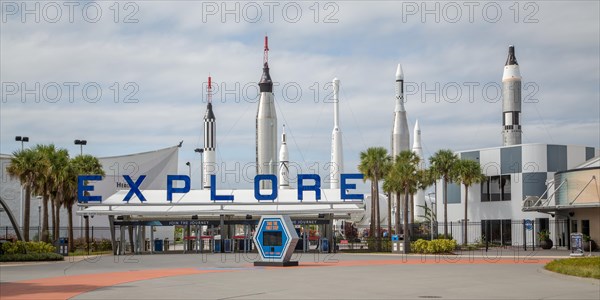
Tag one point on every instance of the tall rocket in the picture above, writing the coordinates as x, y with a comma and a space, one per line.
284, 168
266, 124
210, 144
400, 135
419, 202
337, 157
511, 103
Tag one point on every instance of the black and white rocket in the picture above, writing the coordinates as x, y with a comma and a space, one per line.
266, 124
210, 128
337, 156
400, 135
284, 168
511, 100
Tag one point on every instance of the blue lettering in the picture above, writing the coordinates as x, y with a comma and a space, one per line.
83, 189
316, 187
171, 189
257, 195
134, 188
350, 186
213, 191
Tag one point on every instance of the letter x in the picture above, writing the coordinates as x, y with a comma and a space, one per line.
134, 188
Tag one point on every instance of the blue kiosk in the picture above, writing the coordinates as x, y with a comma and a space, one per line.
276, 240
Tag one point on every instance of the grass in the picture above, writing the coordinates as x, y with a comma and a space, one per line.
581, 267
84, 253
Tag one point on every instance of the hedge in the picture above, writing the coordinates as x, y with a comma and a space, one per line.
30, 257
20, 247
434, 246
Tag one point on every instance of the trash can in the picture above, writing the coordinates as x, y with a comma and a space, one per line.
158, 245
63, 246
217, 247
228, 245
324, 245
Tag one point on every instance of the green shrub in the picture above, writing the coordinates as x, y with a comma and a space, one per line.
30, 257
434, 246
20, 247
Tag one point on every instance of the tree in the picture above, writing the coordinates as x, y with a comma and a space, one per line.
24, 166
83, 165
404, 178
45, 185
373, 165
442, 163
467, 172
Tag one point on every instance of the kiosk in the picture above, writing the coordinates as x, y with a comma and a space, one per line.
276, 240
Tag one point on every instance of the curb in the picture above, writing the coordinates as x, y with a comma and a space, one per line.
569, 277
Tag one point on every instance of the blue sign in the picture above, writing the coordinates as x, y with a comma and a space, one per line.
276, 238
529, 224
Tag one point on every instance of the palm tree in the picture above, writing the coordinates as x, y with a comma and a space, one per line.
83, 165
46, 185
404, 177
467, 172
373, 165
442, 163
24, 166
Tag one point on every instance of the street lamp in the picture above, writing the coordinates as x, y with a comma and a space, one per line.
81, 143
22, 139
201, 151
189, 169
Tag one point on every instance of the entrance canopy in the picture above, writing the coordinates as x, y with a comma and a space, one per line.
199, 203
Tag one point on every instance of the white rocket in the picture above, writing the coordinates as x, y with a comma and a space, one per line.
284, 169
337, 156
400, 135
511, 103
210, 128
419, 198
266, 124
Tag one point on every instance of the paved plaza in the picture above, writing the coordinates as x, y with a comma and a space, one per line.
470, 275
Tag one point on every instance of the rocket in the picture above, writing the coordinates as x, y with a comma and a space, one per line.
400, 135
284, 169
209, 158
511, 100
419, 200
266, 124
337, 157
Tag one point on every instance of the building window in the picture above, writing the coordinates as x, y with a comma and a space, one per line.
496, 188
497, 231
585, 227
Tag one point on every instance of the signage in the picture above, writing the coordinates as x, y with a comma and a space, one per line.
529, 225
576, 244
306, 183
276, 240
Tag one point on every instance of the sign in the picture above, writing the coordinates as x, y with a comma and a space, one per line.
529, 224
307, 183
276, 240
576, 244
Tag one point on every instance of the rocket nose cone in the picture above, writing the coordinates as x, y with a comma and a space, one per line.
399, 73
417, 127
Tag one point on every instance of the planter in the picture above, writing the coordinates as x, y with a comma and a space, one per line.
546, 244
586, 246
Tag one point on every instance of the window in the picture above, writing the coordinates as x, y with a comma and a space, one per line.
496, 188
497, 231
585, 227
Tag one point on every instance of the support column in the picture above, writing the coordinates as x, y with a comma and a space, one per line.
113, 241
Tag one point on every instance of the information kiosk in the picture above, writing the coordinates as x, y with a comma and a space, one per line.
276, 240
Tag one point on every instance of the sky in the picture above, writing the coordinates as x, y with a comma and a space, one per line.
130, 76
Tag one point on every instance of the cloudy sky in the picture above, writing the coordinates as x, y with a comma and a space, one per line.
131, 76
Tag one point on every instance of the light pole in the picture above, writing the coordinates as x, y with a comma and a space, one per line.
22, 139
433, 212
201, 151
81, 143
189, 169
